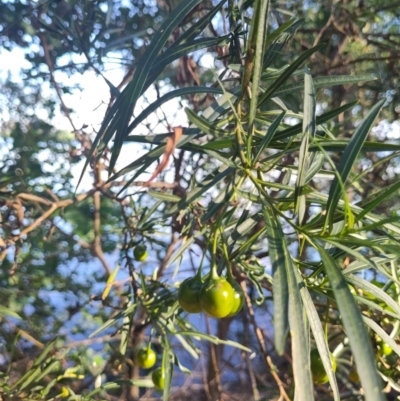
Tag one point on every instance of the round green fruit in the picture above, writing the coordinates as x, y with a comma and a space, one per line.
158, 377
385, 348
238, 298
317, 367
140, 253
146, 358
216, 297
188, 295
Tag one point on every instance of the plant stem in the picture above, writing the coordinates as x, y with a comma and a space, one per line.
214, 271
200, 269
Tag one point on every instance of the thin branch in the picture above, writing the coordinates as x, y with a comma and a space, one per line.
261, 342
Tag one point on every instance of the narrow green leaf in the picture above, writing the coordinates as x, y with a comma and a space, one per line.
149, 157
164, 197
278, 40
167, 367
346, 162
175, 52
222, 104
379, 244
317, 163
373, 306
47, 369
377, 198
27, 378
183, 247
246, 245
279, 283
182, 368
188, 347
146, 160
134, 89
309, 127
321, 82
374, 290
379, 225
286, 74
157, 139
268, 136
43, 355
319, 335
322, 199
117, 119
7, 311
218, 202
213, 339
242, 227
358, 265
256, 47
360, 342
382, 334
125, 330
147, 383
202, 123
165, 98
347, 250
201, 189
106, 324
199, 26
332, 146
148, 214
297, 323
323, 118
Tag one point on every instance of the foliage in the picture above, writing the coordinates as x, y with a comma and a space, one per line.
269, 185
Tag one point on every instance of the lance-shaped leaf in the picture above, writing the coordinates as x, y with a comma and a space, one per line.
278, 40
299, 328
279, 282
286, 74
255, 53
167, 367
382, 334
168, 96
374, 290
359, 340
173, 53
203, 187
319, 335
268, 136
337, 146
309, 127
110, 282
375, 199
199, 26
117, 119
6, 311
321, 82
323, 118
203, 124
346, 162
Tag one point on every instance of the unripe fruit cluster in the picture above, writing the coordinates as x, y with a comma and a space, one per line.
217, 296
146, 359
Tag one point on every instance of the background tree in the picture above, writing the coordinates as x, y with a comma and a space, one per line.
247, 189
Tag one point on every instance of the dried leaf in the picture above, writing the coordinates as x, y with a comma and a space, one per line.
169, 149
